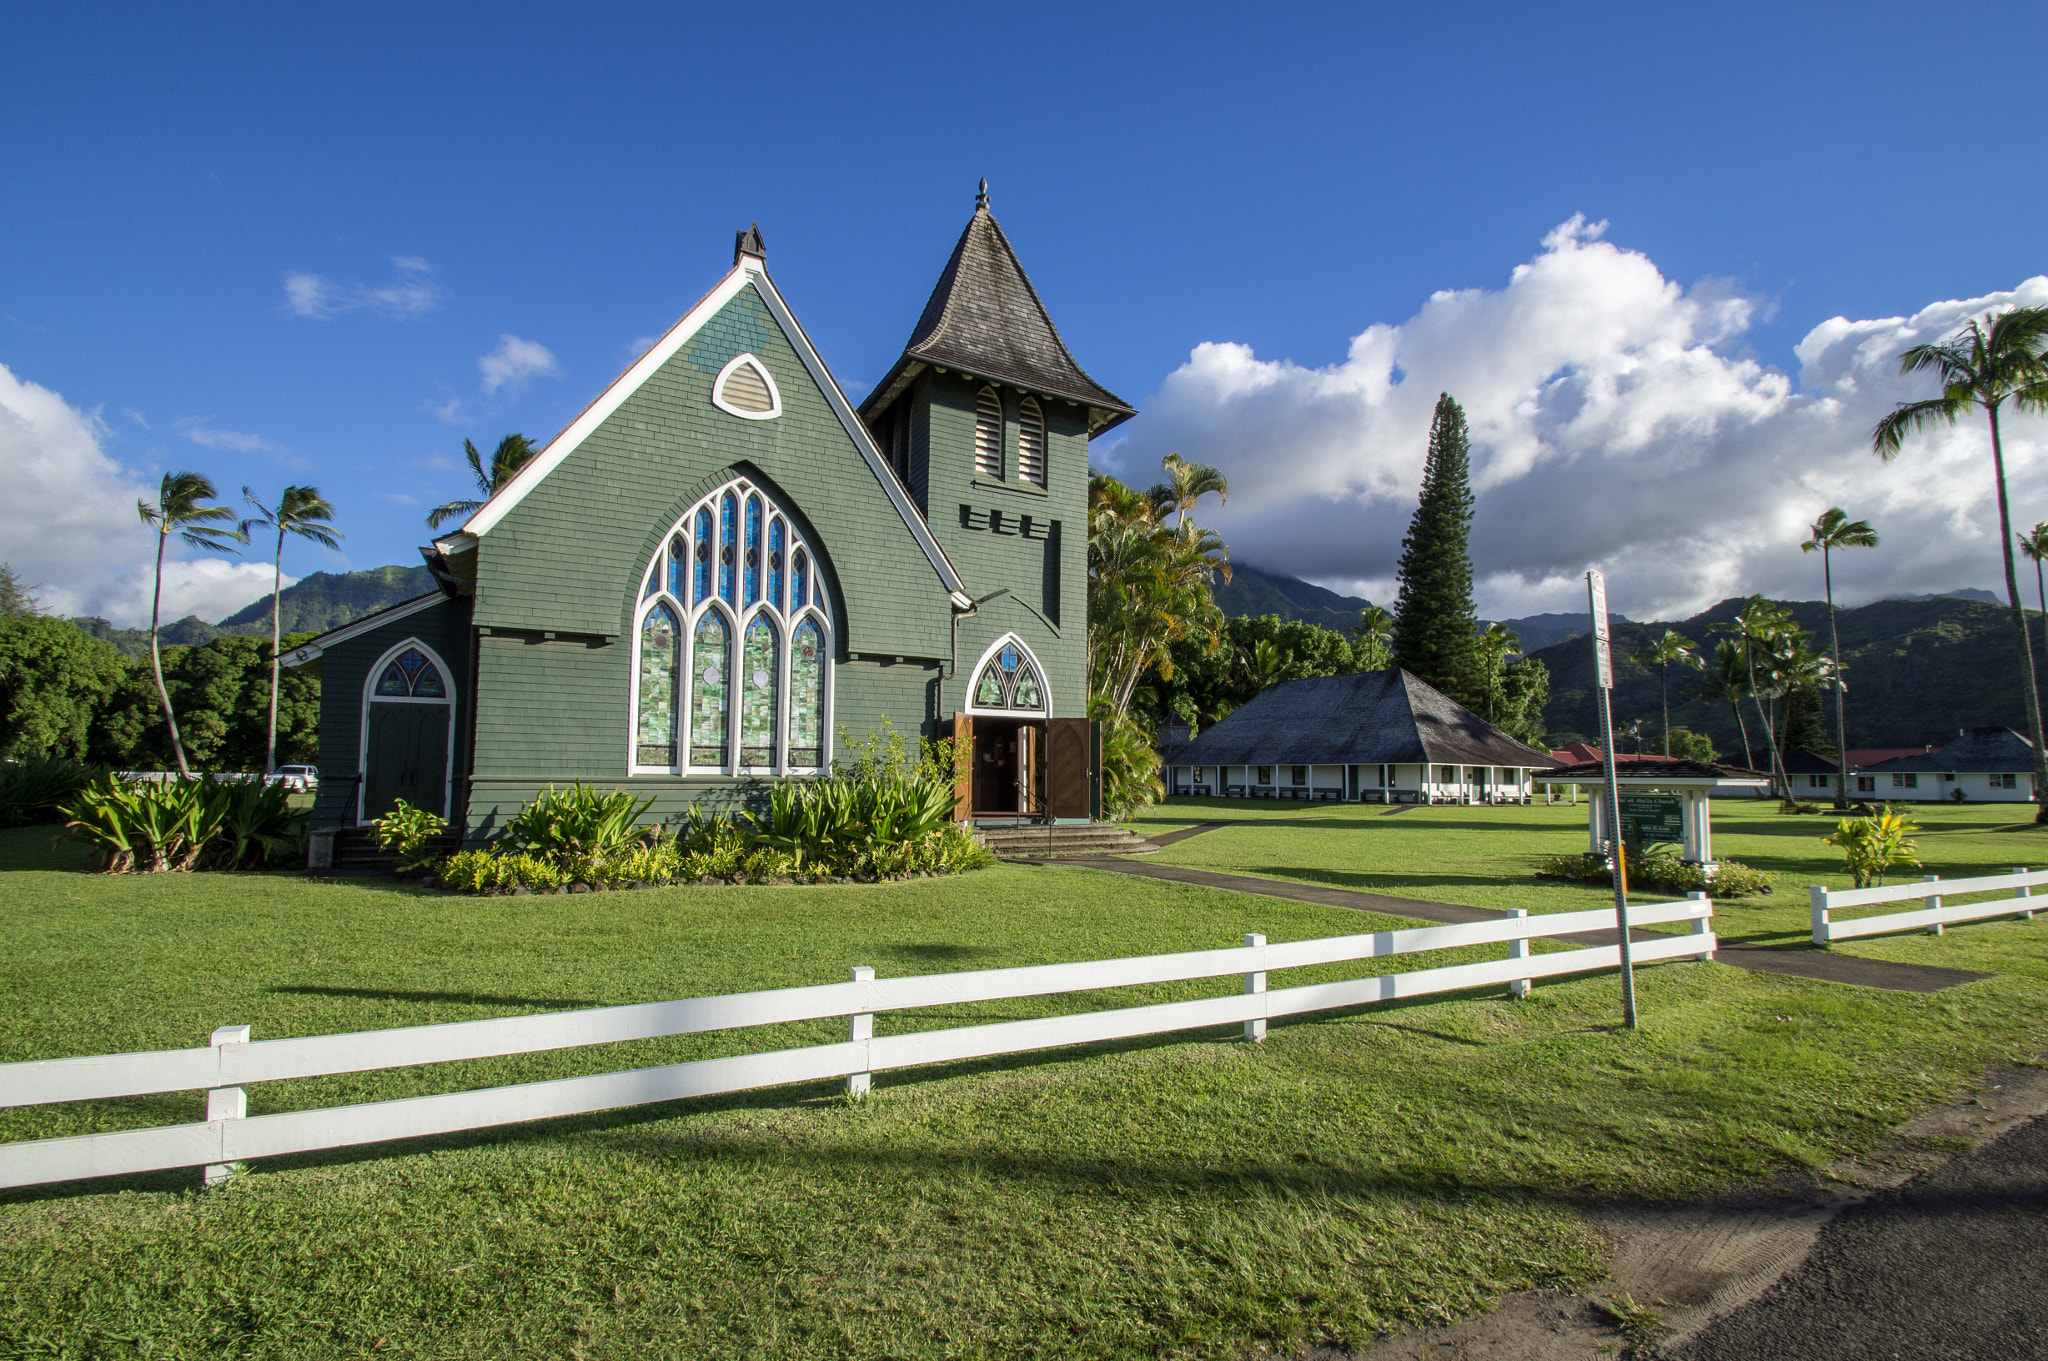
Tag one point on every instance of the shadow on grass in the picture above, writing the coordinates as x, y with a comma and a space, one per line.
481, 999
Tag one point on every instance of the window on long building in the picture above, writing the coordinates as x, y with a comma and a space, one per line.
731, 671
1031, 443
988, 433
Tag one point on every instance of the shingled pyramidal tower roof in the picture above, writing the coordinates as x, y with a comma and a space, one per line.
985, 319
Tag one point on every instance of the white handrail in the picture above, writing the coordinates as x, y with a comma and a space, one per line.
228, 1136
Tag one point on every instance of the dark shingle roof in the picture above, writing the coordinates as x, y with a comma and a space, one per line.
984, 318
1628, 768
1364, 718
1800, 761
1995, 750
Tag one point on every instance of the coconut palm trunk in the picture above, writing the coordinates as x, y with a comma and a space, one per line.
1827, 573
2019, 624
156, 659
276, 664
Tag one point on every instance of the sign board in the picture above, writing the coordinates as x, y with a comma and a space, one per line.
1651, 817
1603, 657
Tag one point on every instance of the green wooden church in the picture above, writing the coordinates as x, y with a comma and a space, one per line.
723, 564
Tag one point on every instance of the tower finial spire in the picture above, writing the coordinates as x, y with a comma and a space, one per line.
981, 196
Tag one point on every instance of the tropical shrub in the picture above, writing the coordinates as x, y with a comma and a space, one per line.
410, 832
1659, 869
1872, 845
148, 825
1130, 763
256, 824
34, 788
580, 828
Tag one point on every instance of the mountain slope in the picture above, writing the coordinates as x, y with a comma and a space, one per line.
1252, 591
322, 601
1917, 670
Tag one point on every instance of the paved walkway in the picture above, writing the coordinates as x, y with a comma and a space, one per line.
1953, 1265
1799, 961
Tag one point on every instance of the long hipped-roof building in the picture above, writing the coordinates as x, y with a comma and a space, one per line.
1371, 736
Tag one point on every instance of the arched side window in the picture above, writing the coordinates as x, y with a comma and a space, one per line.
744, 389
1008, 679
988, 434
731, 671
1031, 443
410, 675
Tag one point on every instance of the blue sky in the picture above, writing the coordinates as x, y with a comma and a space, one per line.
275, 246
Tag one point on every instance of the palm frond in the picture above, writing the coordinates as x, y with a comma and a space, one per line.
1889, 436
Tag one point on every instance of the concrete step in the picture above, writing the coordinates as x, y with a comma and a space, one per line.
1063, 842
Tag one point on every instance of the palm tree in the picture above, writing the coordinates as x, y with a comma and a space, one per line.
1834, 529
302, 511
513, 453
1187, 484
1672, 647
1727, 682
2034, 543
1375, 630
1767, 636
181, 509
1984, 365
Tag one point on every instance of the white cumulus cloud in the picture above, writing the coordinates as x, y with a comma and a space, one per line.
515, 361
317, 297
1614, 424
68, 523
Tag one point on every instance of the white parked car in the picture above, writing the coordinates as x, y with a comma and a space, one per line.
299, 779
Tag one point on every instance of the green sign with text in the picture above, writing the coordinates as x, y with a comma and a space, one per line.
1652, 817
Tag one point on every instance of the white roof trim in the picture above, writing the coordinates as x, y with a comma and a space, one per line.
748, 270
314, 650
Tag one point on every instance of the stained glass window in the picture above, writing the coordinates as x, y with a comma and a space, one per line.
660, 654
728, 543
732, 671
1025, 695
427, 684
393, 682
988, 691
702, 590
411, 674
807, 697
753, 564
710, 690
760, 678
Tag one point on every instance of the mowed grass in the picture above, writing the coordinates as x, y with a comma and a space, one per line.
1183, 1196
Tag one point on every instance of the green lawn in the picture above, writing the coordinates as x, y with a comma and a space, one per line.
1178, 1197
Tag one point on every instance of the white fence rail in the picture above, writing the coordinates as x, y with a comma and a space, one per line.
1931, 915
228, 1135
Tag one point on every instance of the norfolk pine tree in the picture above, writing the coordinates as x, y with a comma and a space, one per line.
1435, 624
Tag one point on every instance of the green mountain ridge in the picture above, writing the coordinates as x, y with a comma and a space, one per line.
315, 604
1916, 670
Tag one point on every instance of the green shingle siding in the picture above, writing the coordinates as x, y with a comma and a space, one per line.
344, 671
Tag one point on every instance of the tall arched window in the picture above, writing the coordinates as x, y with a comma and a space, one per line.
731, 671
1031, 443
988, 434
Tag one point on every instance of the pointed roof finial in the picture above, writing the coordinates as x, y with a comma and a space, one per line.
981, 196
749, 242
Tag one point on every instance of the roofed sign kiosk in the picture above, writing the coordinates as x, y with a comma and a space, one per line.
1665, 801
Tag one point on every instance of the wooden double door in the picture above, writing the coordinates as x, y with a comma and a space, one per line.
1024, 768
405, 756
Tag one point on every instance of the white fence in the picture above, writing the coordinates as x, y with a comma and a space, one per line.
228, 1135
1931, 915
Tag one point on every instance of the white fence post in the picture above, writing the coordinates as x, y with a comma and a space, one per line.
1933, 905
2024, 914
1700, 925
1255, 982
1818, 898
225, 1103
861, 1029
1518, 948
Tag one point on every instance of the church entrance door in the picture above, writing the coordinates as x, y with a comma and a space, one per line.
406, 757
1007, 757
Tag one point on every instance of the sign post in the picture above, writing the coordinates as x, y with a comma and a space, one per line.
1603, 676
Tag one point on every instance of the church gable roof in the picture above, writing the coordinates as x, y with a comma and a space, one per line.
985, 318
749, 272
1365, 718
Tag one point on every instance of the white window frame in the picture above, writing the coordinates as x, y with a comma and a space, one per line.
1044, 710
738, 617
767, 378
370, 695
